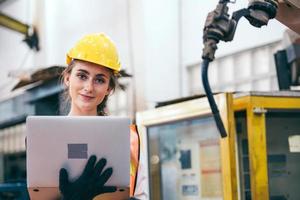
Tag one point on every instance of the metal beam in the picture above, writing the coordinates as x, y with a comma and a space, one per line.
30, 33
13, 24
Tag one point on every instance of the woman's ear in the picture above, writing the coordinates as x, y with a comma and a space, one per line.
109, 89
67, 80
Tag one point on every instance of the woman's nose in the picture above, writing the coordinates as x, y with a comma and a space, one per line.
89, 86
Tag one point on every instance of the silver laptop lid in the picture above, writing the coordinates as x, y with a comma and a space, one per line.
54, 142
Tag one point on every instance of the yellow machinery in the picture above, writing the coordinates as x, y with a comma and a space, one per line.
30, 33
259, 160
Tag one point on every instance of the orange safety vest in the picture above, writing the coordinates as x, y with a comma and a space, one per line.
134, 157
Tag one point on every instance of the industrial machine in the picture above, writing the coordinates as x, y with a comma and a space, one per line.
258, 160
258, 154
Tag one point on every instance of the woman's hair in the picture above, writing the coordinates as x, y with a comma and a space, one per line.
113, 83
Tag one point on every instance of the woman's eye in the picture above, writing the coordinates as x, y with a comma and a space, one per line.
100, 80
82, 76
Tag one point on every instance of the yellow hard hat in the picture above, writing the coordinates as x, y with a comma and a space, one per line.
96, 48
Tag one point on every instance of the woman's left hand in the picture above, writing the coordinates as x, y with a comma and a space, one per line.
89, 184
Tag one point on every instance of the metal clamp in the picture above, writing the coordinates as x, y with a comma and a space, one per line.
259, 110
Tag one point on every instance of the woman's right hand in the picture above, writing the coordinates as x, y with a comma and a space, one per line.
89, 184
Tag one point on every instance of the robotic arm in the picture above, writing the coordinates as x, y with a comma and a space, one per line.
219, 26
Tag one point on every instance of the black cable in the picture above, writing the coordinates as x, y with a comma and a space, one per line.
224, 1
211, 100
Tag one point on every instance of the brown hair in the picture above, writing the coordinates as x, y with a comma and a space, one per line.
113, 83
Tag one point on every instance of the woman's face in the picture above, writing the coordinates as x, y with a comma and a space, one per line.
88, 84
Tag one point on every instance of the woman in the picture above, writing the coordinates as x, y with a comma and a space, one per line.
91, 76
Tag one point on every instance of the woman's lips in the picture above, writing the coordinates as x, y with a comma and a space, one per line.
86, 98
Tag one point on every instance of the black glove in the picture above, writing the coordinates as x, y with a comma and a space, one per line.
89, 184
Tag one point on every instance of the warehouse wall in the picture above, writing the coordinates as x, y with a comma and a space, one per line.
157, 40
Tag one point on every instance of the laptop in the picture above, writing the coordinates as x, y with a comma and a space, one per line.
54, 142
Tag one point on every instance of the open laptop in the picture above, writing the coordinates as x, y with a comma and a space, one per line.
54, 142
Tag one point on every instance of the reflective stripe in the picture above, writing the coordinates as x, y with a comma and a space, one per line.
134, 157
133, 168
